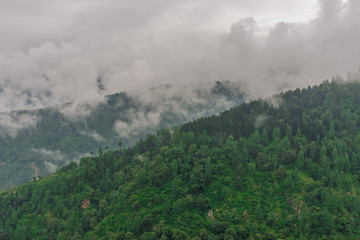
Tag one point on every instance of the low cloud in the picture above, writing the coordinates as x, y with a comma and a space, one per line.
260, 120
168, 105
140, 123
78, 110
53, 159
101, 48
97, 137
274, 101
12, 123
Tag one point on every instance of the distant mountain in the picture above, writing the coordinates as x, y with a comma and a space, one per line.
256, 171
38, 142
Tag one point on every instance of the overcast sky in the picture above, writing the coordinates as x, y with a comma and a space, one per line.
55, 51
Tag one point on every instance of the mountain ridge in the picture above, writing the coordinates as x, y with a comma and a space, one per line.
294, 175
51, 137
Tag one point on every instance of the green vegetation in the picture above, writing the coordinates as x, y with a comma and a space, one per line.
253, 172
57, 138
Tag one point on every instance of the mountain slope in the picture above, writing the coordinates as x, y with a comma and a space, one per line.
254, 172
39, 142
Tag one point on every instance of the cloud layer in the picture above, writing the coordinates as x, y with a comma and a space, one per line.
79, 50
12, 123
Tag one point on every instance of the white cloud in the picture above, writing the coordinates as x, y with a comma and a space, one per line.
167, 105
54, 159
139, 124
84, 49
12, 123
97, 137
260, 120
81, 108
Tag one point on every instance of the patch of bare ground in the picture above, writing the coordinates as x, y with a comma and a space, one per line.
36, 169
85, 203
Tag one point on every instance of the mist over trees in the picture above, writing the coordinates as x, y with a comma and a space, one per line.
256, 171
109, 131
38, 142
110, 47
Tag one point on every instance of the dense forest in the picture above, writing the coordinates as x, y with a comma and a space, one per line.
58, 136
256, 171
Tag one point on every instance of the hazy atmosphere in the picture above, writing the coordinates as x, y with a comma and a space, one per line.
187, 119
53, 52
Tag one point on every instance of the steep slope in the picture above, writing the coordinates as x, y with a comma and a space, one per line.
253, 172
38, 142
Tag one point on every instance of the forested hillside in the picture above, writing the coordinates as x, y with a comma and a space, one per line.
256, 171
38, 142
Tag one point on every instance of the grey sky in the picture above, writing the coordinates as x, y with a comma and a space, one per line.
56, 51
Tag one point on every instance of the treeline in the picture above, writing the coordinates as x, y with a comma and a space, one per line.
253, 172
77, 135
